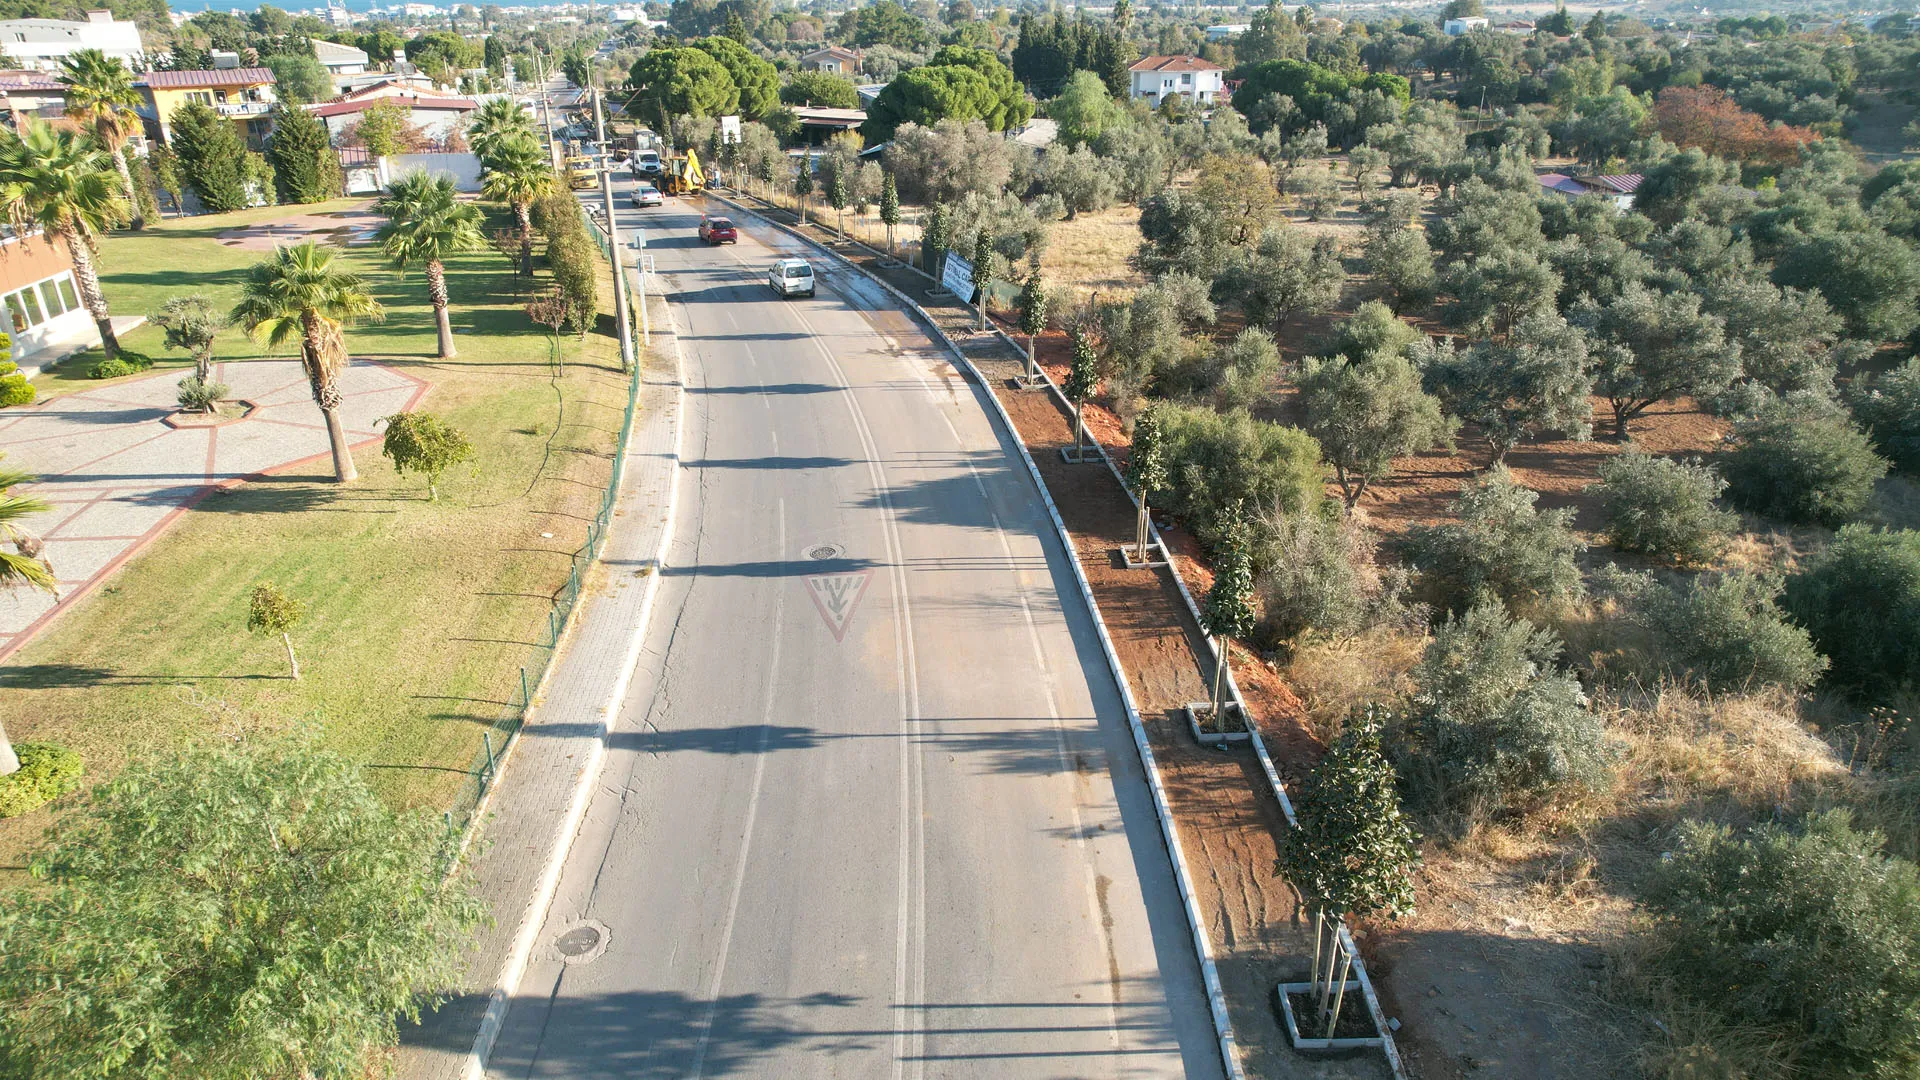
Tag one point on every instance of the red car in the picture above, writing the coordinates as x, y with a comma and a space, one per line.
718, 231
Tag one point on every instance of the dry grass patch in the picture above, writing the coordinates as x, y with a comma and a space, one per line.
1089, 254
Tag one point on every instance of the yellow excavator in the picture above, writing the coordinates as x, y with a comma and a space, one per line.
681, 175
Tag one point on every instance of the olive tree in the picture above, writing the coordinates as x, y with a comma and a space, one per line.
1501, 548
1534, 382
1367, 411
1652, 346
1663, 507
1802, 459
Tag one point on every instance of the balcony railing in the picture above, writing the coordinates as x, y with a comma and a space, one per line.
243, 108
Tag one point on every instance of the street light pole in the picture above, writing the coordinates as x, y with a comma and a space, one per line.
613, 240
546, 108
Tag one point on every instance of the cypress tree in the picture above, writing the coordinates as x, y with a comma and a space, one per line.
212, 157
305, 168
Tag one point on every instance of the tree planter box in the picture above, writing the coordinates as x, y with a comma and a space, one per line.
1286, 992
1197, 709
1085, 456
1152, 561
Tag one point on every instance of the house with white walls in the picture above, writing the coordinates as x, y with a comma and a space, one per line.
1156, 78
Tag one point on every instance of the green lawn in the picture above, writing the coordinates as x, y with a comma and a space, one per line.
420, 614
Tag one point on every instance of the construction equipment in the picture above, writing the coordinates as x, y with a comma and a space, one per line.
581, 175
682, 175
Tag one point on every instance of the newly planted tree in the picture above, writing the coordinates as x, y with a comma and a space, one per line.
226, 911
299, 293
1082, 377
1033, 319
803, 186
101, 96
60, 180
1146, 470
191, 323
983, 256
1352, 852
426, 223
934, 238
889, 208
422, 442
271, 613
1228, 612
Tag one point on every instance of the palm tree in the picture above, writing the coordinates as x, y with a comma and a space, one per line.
62, 181
21, 566
519, 174
497, 121
301, 292
426, 222
100, 95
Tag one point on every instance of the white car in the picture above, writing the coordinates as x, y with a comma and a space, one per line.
647, 195
791, 277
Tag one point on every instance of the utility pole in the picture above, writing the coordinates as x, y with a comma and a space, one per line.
546, 107
613, 238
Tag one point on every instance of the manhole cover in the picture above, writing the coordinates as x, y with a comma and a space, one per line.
581, 943
823, 552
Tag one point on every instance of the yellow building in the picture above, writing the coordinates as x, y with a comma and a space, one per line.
243, 95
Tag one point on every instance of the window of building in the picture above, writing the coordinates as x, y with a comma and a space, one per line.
43, 300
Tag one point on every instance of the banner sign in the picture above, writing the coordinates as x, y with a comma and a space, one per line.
956, 275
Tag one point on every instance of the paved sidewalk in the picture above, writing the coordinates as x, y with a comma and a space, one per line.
532, 804
118, 472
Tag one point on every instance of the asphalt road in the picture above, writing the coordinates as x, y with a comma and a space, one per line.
871, 809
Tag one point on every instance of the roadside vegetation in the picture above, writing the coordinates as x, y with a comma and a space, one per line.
1602, 502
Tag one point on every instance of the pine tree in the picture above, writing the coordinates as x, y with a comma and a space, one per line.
305, 167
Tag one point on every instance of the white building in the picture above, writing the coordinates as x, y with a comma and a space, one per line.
1456, 27
1226, 30
1157, 78
339, 60
43, 43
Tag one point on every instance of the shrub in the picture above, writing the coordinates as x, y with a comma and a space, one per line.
1501, 548
14, 387
1496, 724
46, 773
1860, 599
1218, 459
198, 395
1812, 935
1889, 408
1663, 507
1318, 575
127, 363
1725, 631
1801, 459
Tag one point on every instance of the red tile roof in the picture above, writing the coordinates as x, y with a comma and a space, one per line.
1173, 63
29, 80
411, 101
194, 80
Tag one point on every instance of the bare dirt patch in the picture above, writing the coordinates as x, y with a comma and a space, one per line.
351, 226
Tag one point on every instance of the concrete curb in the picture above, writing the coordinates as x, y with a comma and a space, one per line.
535, 914
1216, 999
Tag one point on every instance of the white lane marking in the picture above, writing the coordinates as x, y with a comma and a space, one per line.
909, 1038
753, 810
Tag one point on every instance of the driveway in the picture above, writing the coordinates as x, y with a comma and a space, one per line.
118, 472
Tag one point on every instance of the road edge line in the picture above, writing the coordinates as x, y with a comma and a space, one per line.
1196, 923
535, 914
